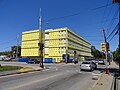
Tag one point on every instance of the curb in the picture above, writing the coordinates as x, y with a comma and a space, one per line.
21, 72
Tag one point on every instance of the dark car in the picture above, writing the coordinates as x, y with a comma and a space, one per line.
35, 61
75, 61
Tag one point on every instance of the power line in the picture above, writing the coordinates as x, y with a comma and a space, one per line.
75, 14
112, 31
110, 19
108, 4
95, 40
64, 16
104, 14
5, 48
111, 23
92, 36
113, 36
109, 13
7, 42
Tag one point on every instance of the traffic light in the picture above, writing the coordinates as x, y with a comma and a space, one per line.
103, 46
107, 47
75, 52
41, 45
116, 1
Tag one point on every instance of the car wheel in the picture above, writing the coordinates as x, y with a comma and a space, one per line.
91, 69
96, 67
81, 69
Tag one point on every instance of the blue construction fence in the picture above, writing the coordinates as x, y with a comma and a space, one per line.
46, 60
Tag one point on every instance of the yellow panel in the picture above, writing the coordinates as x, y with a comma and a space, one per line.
30, 52
30, 40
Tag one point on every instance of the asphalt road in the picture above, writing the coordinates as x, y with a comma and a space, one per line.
54, 77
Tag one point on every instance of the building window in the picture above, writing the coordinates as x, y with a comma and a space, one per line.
64, 33
59, 33
62, 50
46, 50
59, 50
64, 41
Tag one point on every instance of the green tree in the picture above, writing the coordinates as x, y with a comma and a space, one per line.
116, 54
8, 53
96, 53
14, 50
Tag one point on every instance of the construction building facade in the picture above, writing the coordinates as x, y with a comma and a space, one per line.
64, 41
57, 42
30, 40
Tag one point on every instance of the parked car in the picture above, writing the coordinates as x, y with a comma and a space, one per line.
88, 65
76, 61
95, 61
101, 61
35, 61
7, 59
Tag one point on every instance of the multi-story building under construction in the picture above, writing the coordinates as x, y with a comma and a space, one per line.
30, 40
64, 41
57, 42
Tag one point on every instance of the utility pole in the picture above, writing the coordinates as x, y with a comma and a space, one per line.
17, 47
119, 38
40, 42
106, 69
66, 56
118, 1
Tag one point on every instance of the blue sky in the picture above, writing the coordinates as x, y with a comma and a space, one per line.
17, 16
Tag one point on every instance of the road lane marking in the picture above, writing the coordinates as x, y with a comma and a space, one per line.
11, 75
32, 82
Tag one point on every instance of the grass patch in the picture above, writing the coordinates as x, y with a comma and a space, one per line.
8, 68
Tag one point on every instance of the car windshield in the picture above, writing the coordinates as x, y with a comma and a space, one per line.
85, 62
101, 60
88, 59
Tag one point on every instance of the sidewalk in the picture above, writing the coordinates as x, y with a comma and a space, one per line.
105, 81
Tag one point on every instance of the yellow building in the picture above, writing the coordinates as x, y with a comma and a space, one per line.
57, 42
64, 41
30, 40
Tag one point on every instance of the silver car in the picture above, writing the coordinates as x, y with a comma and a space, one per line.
88, 65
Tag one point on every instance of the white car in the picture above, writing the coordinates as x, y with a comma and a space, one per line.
101, 61
88, 65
